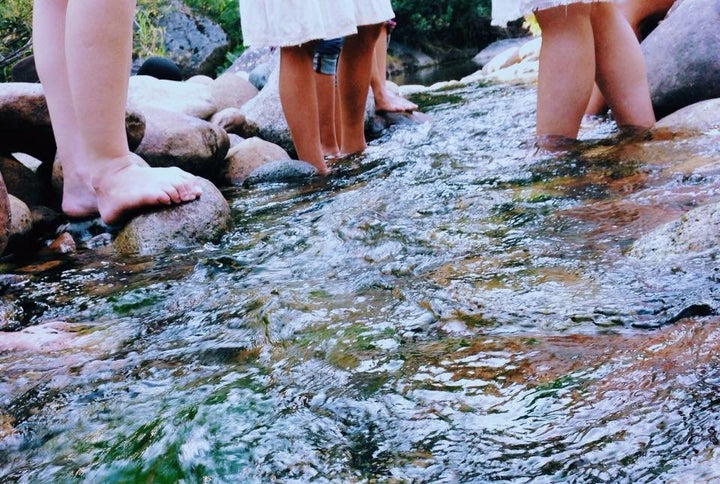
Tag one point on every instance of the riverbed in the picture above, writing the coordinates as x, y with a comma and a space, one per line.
451, 306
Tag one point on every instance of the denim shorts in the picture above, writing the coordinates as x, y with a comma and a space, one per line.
326, 56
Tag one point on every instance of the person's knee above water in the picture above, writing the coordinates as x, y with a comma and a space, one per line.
574, 32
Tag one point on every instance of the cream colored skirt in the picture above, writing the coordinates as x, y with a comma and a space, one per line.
504, 11
282, 23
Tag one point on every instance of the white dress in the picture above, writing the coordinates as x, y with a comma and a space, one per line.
504, 11
282, 23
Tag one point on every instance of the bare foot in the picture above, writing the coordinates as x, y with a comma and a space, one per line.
389, 102
132, 184
79, 199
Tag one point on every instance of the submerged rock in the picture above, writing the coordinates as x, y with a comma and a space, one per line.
280, 171
698, 118
177, 227
693, 233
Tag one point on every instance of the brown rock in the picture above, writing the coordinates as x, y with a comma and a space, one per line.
20, 218
63, 244
229, 119
177, 227
25, 121
232, 91
248, 155
23, 183
174, 139
695, 119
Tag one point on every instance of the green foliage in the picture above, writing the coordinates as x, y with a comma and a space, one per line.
15, 33
457, 22
148, 38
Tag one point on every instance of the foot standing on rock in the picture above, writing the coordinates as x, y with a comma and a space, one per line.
83, 53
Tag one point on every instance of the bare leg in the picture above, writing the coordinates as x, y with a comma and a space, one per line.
83, 52
325, 88
356, 60
635, 12
567, 70
385, 100
299, 102
621, 72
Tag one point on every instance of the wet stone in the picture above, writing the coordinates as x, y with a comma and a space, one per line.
280, 171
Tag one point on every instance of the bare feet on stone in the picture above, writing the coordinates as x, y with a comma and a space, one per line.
125, 185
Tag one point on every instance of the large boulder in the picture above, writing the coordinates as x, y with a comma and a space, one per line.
174, 139
682, 56
264, 116
25, 122
177, 227
231, 91
195, 43
191, 98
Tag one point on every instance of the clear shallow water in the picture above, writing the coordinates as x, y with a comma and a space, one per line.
450, 307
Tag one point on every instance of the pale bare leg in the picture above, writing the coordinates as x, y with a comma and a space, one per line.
83, 53
567, 70
325, 87
621, 74
354, 69
299, 102
385, 100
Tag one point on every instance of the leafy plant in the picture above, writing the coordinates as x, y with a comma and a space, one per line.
457, 22
15, 33
148, 37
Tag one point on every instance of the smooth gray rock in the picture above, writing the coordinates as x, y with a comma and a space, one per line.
682, 56
177, 227
280, 171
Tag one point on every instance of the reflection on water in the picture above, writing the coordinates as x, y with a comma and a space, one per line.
450, 307
430, 75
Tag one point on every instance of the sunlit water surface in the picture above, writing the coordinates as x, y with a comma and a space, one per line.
450, 307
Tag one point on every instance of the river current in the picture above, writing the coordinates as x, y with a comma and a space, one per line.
451, 306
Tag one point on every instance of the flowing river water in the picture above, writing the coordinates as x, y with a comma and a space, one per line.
452, 306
